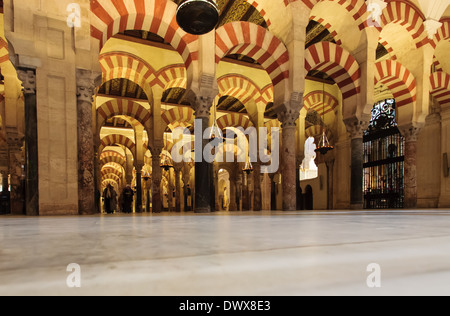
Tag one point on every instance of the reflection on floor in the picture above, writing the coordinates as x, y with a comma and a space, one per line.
268, 253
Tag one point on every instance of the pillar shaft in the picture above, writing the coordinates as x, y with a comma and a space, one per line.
411, 134
86, 167
356, 128
233, 203
156, 181
330, 180
245, 193
288, 160
138, 201
178, 190
203, 174
257, 198
28, 78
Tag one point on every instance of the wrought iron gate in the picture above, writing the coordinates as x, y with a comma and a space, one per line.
384, 156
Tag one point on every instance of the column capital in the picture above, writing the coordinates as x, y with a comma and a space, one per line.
356, 127
289, 112
410, 132
87, 81
156, 152
28, 78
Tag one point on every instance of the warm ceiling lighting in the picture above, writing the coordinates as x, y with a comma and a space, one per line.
198, 17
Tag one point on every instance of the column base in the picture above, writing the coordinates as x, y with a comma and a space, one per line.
357, 206
202, 211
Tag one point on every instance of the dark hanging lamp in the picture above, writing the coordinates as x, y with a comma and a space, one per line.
165, 163
215, 130
324, 144
198, 17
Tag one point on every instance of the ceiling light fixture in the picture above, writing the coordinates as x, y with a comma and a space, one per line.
198, 17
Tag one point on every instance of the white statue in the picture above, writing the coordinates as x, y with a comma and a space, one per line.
308, 169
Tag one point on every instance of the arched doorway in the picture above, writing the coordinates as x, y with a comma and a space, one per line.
384, 156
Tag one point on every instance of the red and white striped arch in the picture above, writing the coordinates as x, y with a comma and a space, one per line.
266, 95
239, 87
329, 27
4, 53
398, 79
315, 100
116, 139
440, 88
111, 170
407, 15
336, 63
443, 33
112, 157
106, 182
316, 131
116, 107
112, 177
357, 8
110, 17
178, 117
173, 76
437, 65
234, 120
256, 42
131, 67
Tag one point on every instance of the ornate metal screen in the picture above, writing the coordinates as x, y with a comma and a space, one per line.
384, 156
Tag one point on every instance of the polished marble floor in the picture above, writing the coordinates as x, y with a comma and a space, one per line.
268, 253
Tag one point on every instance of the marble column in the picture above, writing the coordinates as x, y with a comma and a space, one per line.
245, 193
356, 128
257, 194
170, 189
273, 194
330, 178
411, 134
86, 169
177, 169
138, 200
186, 181
239, 180
156, 180
288, 158
203, 170
233, 203
28, 78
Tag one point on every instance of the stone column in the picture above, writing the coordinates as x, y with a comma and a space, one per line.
170, 189
288, 158
186, 181
257, 194
28, 78
156, 179
356, 128
411, 134
245, 193
330, 178
177, 169
233, 204
138, 200
273, 195
17, 195
239, 180
86, 169
203, 169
